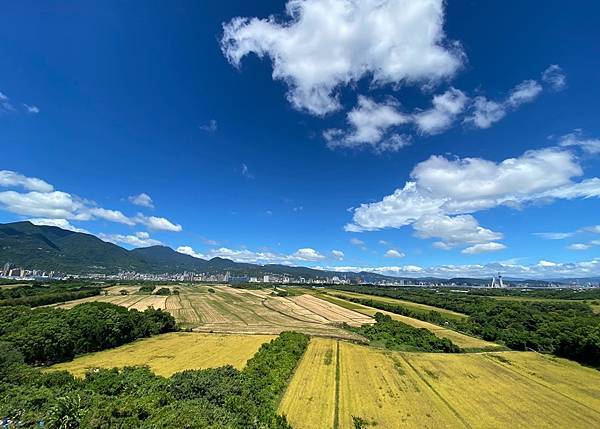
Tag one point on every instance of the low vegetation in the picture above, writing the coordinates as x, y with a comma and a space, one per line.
49, 335
395, 335
134, 397
37, 294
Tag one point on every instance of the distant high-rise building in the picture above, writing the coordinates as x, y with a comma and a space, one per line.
6, 269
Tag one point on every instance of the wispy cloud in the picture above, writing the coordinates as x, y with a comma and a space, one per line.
210, 127
246, 172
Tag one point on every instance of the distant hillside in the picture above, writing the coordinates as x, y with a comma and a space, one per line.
51, 248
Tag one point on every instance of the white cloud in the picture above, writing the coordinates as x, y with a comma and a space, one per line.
483, 248
368, 122
56, 204
554, 77
540, 270
61, 223
443, 192
453, 231
157, 223
142, 199
44, 202
594, 229
302, 255
187, 250
111, 215
392, 253
579, 246
337, 254
9, 179
210, 127
326, 44
483, 112
576, 139
31, 109
306, 254
554, 235
139, 239
446, 108
246, 172
357, 242
525, 92
5, 104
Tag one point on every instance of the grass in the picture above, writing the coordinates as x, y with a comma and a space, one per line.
170, 353
431, 390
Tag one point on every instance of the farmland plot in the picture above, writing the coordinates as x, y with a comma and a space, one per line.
229, 310
313, 387
331, 312
170, 353
487, 392
380, 389
421, 390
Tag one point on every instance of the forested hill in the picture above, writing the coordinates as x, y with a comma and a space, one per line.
51, 248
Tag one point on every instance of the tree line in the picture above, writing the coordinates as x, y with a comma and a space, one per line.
396, 335
566, 329
48, 335
36, 294
134, 397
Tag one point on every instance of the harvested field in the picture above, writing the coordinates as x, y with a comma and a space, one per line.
330, 311
434, 390
421, 308
229, 310
170, 353
155, 301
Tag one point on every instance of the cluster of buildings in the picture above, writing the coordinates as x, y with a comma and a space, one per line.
10, 271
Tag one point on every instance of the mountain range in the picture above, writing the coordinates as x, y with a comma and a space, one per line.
52, 248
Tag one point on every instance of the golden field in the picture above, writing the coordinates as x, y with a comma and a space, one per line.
434, 390
229, 310
313, 387
170, 353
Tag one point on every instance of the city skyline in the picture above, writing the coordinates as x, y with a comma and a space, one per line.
442, 146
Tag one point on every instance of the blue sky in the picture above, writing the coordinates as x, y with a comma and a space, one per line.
410, 137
